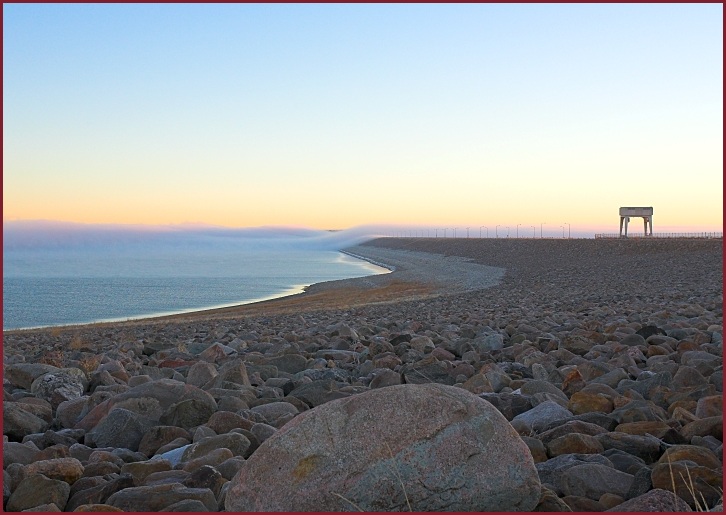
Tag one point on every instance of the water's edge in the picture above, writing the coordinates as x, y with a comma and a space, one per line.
296, 289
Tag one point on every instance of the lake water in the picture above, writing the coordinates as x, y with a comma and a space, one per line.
59, 286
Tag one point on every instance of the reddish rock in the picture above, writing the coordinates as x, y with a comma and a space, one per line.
574, 444
711, 426
702, 481
37, 490
68, 470
225, 421
711, 406
695, 453
583, 402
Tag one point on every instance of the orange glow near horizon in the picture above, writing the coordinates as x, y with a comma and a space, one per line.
239, 115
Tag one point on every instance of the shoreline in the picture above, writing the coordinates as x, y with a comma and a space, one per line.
510, 262
292, 291
408, 279
598, 355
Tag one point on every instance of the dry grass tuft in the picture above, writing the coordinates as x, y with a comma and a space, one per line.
348, 501
89, 364
76, 343
54, 358
700, 504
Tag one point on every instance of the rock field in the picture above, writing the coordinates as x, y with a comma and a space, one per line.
562, 375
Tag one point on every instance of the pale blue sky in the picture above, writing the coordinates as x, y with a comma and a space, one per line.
341, 115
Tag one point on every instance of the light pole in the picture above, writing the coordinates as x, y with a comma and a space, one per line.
507, 231
487, 228
540, 229
518, 230
563, 231
569, 233
534, 232
454, 232
436, 232
496, 231
467, 232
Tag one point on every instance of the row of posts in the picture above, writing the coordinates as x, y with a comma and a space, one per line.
414, 233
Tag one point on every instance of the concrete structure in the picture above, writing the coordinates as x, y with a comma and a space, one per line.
644, 212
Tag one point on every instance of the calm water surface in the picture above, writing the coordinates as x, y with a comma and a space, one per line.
73, 286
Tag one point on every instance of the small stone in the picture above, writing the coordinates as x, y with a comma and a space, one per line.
140, 470
711, 426
574, 443
536, 447
187, 414
68, 470
539, 416
585, 402
657, 500
230, 467
549, 502
205, 477
213, 458
608, 500
592, 480
18, 422
659, 429
384, 377
94, 508
704, 482
158, 436
694, 453
711, 406
158, 497
647, 448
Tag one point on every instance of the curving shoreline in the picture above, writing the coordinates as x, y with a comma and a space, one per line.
604, 356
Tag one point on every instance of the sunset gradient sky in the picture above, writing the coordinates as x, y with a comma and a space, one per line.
334, 116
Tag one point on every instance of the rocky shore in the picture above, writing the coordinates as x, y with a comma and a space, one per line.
481, 375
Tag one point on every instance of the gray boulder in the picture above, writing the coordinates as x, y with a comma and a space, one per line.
22, 375
421, 447
158, 497
120, 428
656, 500
62, 385
592, 480
541, 415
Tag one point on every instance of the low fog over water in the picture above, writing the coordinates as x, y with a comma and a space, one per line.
56, 273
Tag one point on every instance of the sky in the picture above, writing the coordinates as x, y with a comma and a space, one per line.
330, 116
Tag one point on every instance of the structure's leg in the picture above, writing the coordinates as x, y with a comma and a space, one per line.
645, 226
650, 221
627, 220
621, 226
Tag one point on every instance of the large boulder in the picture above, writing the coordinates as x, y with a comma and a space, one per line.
19, 422
121, 428
22, 375
59, 386
37, 490
428, 447
158, 396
